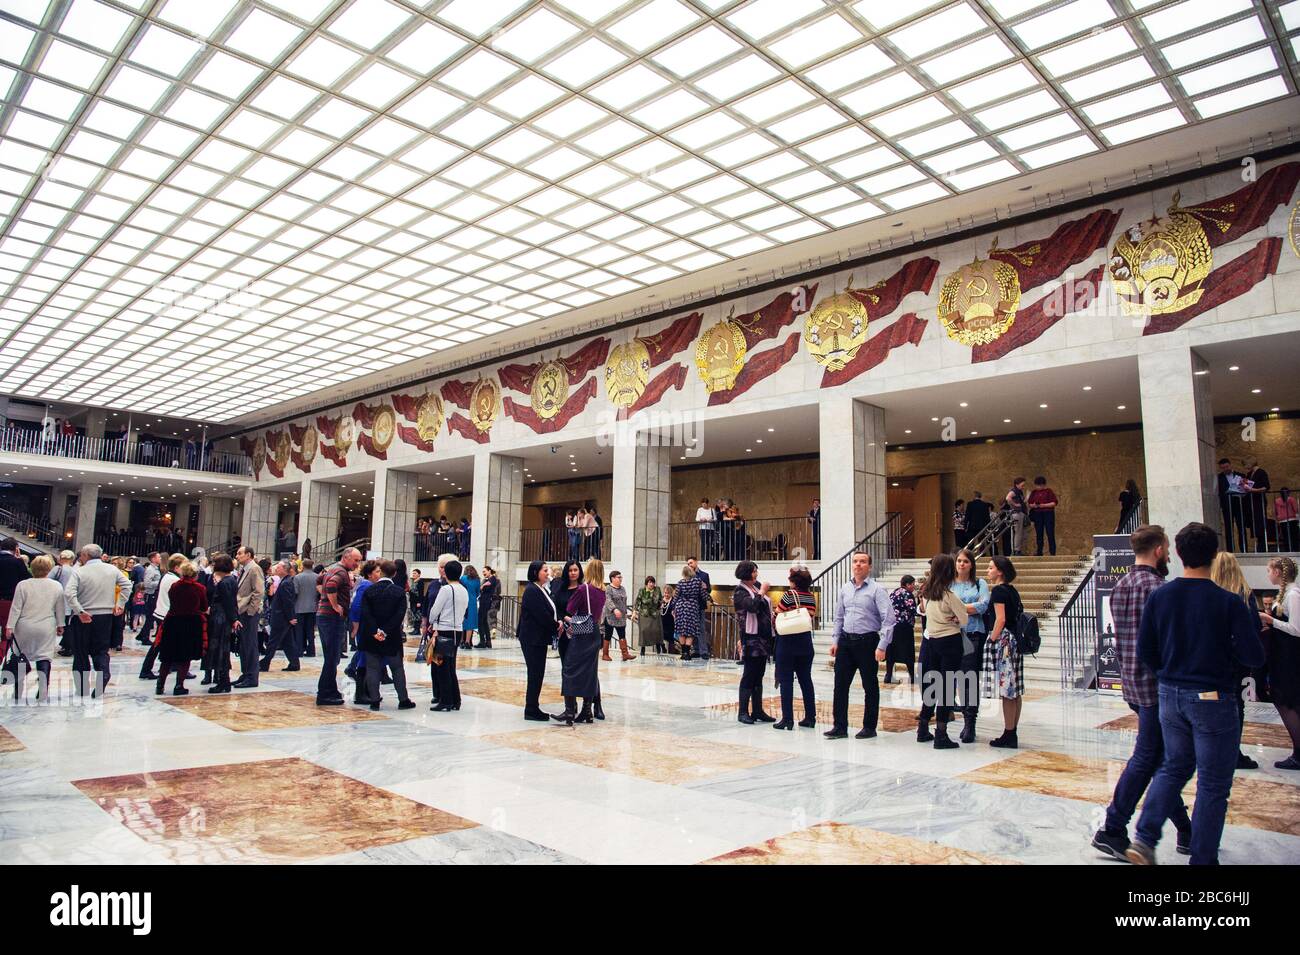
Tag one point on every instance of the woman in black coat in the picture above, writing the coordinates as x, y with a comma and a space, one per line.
488, 595
222, 615
381, 635
562, 588
539, 622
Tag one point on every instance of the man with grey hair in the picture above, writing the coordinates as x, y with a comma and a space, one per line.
62, 572
95, 594
248, 601
284, 623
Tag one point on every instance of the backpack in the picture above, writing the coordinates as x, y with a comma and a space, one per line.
1027, 636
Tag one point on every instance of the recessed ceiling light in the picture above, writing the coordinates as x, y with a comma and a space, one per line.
1077, 421
1234, 368
961, 405
1087, 387
1042, 406
1006, 420
1255, 391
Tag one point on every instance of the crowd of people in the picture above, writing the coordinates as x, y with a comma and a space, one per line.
1021, 508
1249, 523
725, 535
441, 536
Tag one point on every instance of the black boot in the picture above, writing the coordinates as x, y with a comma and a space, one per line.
1007, 740
570, 711
585, 715
941, 740
742, 715
757, 708
923, 734
968, 728
596, 709
158, 687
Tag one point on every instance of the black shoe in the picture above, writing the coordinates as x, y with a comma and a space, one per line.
148, 675
446, 707
1007, 740
263, 667
1289, 763
968, 730
923, 734
406, 705
745, 718
836, 733
1113, 846
180, 691
941, 739
207, 680
1245, 762
584, 716
220, 688
865, 733
334, 701
783, 725
597, 710
808, 722
566, 717
1184, 844
538, 717
375, 705
291, 667
760, 716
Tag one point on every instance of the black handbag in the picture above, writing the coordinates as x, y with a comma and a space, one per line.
14, 657
583, 624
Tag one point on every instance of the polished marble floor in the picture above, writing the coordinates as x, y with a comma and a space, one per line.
669, 777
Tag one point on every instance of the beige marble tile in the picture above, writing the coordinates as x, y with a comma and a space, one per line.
683, 674
9, 743
282, 810
834, 843
645, 754
506, 690
892, 719
270, 710
1253, 734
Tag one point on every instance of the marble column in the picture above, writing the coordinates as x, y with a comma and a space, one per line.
261, 511
215, 522
96, 422
319, 520
497, 513
392, 521
59, 506
87, 504
642, 510
1178, 438
852, 473
122, 512
4, 410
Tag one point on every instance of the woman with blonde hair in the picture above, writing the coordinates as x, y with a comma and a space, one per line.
35, 623
119, 620
1282, 651
1226, 572
688, 601
184, 634
579, 676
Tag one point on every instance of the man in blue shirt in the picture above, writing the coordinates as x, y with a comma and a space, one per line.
1193, 637
864, 626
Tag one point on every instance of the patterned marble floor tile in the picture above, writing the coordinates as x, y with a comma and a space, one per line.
892, 719
255, 812
1254, 802
834, 843
646, 754
276, 709
506, 690
8, 742
478, 846
1252, 734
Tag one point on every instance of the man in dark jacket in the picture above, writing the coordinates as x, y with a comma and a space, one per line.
978, 514
12, 572
284, 619
381, 635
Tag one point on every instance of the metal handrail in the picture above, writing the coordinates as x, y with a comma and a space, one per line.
33, 527
552, 544
147, 452
884, 544
431, 546
1134, 518
985, 542
751, 538
1077, 629
507, 617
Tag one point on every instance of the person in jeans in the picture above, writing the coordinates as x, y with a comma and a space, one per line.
332, 624
864, 627
149, 581
614, 619
1138, 685
945, 616
1194, 635
1042, 512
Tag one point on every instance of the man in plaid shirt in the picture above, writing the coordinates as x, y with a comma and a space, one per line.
1127, 601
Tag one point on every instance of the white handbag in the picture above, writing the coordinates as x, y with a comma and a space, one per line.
791, 622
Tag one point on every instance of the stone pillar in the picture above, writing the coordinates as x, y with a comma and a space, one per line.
4, 410
392, 520
1178, 439
59, 507
319, 519
87, 503
497, 514
122, 512
96, 422
852, 473
642, 509
215, 524
261, 509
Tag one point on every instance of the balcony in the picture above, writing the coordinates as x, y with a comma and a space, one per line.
148, 452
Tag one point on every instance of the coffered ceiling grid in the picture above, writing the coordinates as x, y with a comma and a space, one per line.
210, 208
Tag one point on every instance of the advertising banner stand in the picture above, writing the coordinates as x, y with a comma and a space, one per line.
1113, 558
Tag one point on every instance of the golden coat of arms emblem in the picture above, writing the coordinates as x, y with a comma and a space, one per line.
345, 434
836, 328
550, 389
259, 454
384, 428
428, 416
282, 450
978, 302
1157, 266
720, 355
484, 402
1293, 228
626, 372
310, 444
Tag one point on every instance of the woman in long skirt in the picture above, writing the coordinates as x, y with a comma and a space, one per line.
222, 614
649, 622
579, 676
184, 630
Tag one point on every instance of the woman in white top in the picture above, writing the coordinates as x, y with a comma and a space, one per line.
447, 618
704, 520
159, 614
1282, 643
35, 622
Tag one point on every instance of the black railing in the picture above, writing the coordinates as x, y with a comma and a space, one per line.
758, 538
129, 544
33, 528
431, 545
507, 618
151, 453
561, 543
884, 544
1077, 626
1133, 518
722, 629
1260, 522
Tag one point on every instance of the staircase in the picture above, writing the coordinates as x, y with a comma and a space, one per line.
33, 535
1044, 584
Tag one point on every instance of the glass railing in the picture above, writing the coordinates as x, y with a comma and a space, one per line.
158, 454
761, 538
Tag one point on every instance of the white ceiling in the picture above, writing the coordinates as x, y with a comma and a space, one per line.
216, 207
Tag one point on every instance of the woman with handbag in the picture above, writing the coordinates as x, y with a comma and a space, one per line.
1004, 664
754, 610
35, 624
945, 615
562, 588
446, 618
649, 622
539, 621
582, 617
797, 609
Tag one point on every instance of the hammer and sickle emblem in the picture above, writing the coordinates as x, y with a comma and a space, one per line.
977, 287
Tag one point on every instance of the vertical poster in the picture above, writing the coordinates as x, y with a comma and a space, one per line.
1114, 558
